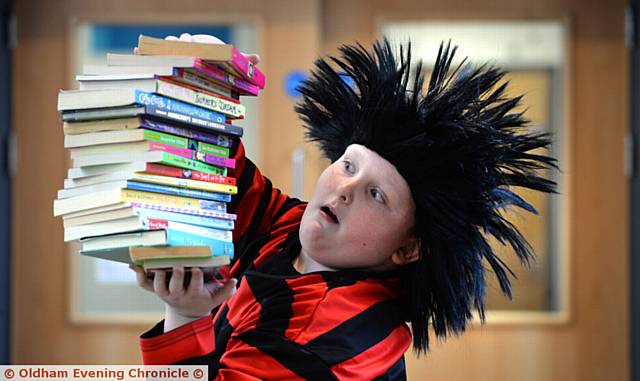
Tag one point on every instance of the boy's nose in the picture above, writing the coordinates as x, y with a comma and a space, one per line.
345, 191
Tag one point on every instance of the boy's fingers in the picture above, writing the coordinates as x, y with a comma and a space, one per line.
253, 58
159, 283
206, 39
171, 38
196, 283
141, 278
176, 284
222, 293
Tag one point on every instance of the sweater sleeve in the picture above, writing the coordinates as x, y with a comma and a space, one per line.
258, 206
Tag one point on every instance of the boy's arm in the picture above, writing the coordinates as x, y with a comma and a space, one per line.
258, 205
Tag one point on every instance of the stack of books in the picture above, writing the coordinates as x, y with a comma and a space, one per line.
150, 137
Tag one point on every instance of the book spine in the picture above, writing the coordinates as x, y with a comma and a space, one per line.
180, 238
184, 183
163, 170
194, 155
215, 160
208, 137
224, 128
178, 108
208, 101
167, 200
216, 223
239, 84
198, 212
193, 79
183, 162
210, 149
206, 200
157, 224
159, 137
243, 66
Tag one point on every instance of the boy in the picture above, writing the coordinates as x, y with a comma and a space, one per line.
394, 232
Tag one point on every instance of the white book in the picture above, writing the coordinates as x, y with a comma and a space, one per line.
145, 84
91, 180
79, 191
103, 70
141, 146
145, 238
81, 172
103, 137
136, 223
145, 60
122, 225
121, 157
87, 99
107, 215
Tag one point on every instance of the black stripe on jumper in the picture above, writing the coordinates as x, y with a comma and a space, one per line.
357, 334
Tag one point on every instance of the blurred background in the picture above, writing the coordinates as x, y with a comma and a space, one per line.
573, 315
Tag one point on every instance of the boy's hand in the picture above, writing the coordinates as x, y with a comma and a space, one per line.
206, 39
185, 303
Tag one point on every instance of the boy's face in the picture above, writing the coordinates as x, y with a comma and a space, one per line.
360, 216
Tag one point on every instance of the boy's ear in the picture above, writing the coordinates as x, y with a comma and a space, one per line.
408, 253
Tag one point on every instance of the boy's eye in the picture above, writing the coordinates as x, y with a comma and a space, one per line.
348, 166
377, 195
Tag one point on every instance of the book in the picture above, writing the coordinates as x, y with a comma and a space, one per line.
172, 66
179, 122
160, 179
148, 146
118, 196
179, 91
216, 198
107, 141
226, 54
101, 99
149, 157
141, 79
130, 211
140, 222
163, 175
196, 137
168, 263
164, 170
124, 254
96, 70
113, 241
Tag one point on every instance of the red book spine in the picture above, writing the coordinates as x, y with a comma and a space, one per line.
165, 170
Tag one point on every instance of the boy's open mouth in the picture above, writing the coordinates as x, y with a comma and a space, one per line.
329, 213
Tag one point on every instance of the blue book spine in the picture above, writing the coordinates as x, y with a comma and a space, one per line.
173, 106
191, 219
180, 238
209, 200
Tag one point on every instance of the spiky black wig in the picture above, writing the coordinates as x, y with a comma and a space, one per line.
460, 146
